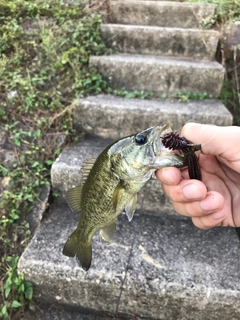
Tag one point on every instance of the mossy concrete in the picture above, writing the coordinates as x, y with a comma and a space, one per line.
160, 13
109, 116
159, 74
151, 40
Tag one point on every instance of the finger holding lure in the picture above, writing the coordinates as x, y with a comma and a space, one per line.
111, 182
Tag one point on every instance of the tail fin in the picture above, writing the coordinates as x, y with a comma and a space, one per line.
82, 251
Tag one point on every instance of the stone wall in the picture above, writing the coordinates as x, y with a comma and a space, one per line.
229, 54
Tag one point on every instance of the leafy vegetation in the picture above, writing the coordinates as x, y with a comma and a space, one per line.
186, 96
44, 52
131, 94
226, 10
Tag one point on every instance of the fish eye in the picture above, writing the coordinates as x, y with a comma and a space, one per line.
141, 138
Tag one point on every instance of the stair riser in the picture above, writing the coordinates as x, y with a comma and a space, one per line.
115, 117
162, 14
195, 44
158, 76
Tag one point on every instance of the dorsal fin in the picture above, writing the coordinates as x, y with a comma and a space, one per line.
86, 168
74, 197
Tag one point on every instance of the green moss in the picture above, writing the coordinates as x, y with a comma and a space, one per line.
44, 52
226, 10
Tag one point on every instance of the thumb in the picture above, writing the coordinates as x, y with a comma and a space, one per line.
215, 140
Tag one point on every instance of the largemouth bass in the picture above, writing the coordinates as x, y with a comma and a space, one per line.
110, 185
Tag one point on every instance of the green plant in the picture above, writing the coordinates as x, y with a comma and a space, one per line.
226, 10
131, 94
186, 96
44, 52
15, 284
230, 98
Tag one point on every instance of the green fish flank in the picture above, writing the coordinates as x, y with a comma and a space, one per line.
111, 183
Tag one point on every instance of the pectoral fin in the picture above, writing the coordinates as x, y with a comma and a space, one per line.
130, 207
117, 194
73, 197
108, 232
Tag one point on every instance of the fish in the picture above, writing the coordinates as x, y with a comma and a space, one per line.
110, 184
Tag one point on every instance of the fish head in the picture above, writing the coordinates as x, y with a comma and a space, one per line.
141, 154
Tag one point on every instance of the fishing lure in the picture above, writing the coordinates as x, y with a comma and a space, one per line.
173, 141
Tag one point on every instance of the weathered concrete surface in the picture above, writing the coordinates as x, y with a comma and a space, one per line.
114, 117
231, 41
160, 13
200, 267
66, 174
175, 42
66, 170
58, 279
173, 270
34, 217
159, 74
46, 312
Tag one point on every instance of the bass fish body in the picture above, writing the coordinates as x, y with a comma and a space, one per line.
110, 186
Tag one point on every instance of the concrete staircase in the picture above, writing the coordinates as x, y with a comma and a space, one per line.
161, 47
159, 266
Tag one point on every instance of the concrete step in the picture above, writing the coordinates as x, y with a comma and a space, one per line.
114, 117
174, 42
60, 312
160, 0
160, 13
159, 74
156, 268
66, 174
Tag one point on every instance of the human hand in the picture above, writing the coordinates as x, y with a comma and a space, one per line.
214, 201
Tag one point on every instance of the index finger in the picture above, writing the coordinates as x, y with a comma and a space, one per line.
215, 140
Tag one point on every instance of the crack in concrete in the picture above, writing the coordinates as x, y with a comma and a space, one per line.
124, 280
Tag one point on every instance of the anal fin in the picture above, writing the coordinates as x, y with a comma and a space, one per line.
107, 233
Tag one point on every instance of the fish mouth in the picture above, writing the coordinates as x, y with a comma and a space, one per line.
158, 147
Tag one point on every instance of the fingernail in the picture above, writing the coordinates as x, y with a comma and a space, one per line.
191, 192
